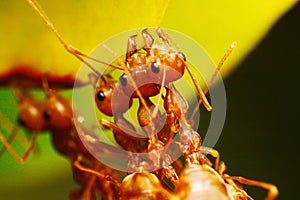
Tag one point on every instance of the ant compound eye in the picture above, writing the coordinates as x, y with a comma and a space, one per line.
47, 115
100, 96
123, 79
182, 56
155, 68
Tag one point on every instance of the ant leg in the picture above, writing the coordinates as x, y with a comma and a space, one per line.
203, 98
87, 193
131, 47
272, 189
124, 138
123, 130
148, 39
107, 177
212, 79
45, 85
68, 47
171, 175
30, 148
222, 168
212, 152
149, 123
87, 184
14, 153
10, 139
169, 171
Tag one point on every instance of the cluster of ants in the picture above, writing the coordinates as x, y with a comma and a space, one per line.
162, 174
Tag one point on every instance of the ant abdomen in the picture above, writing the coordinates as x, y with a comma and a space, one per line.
210, 185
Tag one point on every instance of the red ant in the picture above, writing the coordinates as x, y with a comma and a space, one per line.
157, 62
79, 55
105, 90
55, 115
103, 96
38, 116
145, 62
176, 109
196, 180
139, 64
137, 185
131, 74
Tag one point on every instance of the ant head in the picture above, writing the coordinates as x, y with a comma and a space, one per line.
138, 77
137, 59
166, 65
31, 114
103, 93
110, 98
58, 112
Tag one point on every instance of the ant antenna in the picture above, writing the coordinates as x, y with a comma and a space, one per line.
221, 63
203, 98
38, 8
121, 62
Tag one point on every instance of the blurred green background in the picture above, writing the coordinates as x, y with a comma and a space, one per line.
259, 140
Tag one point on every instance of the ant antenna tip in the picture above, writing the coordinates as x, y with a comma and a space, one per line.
234, 43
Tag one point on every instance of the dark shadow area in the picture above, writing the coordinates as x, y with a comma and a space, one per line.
260, 139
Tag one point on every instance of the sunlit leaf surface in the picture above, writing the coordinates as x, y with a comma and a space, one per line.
83, 24
26, 41
214, 24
